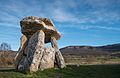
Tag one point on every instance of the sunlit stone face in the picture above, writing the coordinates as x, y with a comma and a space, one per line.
31, 25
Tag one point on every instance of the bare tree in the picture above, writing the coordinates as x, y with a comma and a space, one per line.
5, 47
4, 55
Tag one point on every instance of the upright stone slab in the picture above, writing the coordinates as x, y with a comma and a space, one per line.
48, 58
59, 58
35, 49
23, 44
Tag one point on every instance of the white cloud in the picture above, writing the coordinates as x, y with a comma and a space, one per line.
108, 28
98, 3
59, 11
106, 16
9, 25
74, 13
62, 16
66, 3
87, 27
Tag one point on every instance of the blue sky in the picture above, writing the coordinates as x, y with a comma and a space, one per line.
81, 22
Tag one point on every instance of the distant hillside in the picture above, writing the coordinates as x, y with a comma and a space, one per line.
10, 53
7, 58
90, 49
109, 54
110, 48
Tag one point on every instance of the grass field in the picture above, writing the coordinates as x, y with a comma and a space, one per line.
83, 71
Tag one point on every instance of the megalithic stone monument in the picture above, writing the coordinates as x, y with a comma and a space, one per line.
33, 55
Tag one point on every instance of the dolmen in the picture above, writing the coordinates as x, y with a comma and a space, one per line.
32, 54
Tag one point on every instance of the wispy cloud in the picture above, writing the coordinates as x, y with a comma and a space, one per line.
108, 28
98, 3
58, 10
60, 15
73, 14
88, 27
9, 25
99, 27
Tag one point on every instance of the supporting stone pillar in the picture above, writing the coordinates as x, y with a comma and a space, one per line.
59, 58
34, 50
48, 58
23, 44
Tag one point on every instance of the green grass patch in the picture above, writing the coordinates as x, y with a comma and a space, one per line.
83, 71
115, 59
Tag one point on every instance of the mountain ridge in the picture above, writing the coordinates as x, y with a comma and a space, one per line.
106, 49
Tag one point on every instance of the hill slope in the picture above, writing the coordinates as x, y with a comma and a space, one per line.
90, 49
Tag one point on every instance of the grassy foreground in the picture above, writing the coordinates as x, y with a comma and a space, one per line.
84, 71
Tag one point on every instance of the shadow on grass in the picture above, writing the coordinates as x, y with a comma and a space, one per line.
7, 69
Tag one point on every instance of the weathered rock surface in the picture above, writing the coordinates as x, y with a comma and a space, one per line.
33, 55
30, 25
59, 58
47, 59
21, 52
34, 49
